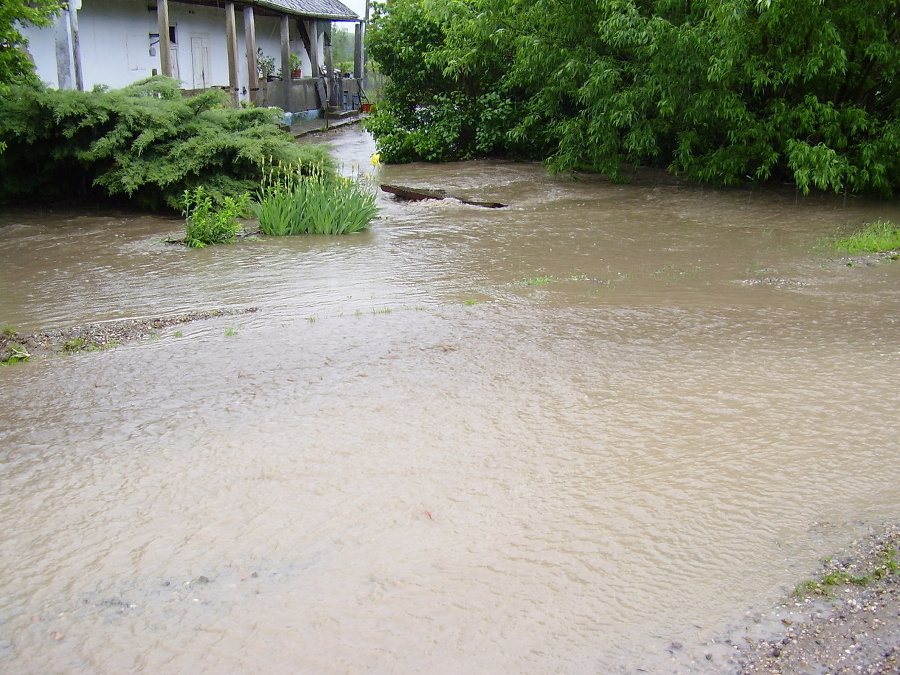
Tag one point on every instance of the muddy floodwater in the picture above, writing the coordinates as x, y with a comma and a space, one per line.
588, 433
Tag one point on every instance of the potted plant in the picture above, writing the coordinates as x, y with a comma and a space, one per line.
295, 66
265, 64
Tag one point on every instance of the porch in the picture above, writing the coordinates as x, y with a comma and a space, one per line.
309, 98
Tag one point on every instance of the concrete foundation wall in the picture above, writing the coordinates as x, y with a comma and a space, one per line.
303, 94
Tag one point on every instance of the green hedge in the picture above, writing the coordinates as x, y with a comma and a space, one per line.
145, 143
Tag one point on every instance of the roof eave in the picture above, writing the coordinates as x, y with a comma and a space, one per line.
281, 10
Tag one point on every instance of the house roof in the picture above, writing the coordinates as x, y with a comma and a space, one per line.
321, 9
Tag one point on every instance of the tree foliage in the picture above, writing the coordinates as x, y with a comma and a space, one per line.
144, 142
343, 46
717, 90
15, 65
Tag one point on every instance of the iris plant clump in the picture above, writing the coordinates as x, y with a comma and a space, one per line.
307, 199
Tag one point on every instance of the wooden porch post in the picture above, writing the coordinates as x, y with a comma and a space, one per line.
232, 48
286, 61
63, 38
312, 30
76, 47
162, 17
358, 52
252, 66
334, 85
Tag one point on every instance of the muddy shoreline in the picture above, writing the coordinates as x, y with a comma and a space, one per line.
96, 336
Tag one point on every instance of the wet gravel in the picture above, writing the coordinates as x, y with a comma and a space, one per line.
95, 336
845, 620
869, 259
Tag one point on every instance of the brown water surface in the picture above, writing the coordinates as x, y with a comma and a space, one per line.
557, 437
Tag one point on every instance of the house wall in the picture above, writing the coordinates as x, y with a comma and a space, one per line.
117, 48
42, 47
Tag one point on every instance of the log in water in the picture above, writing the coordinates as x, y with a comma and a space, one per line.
419, 194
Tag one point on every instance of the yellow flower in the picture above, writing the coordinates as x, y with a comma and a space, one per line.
376, 159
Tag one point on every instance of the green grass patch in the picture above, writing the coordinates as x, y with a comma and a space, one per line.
877, 237
543, 281
672, 272
73, 345
886, 564
537, 281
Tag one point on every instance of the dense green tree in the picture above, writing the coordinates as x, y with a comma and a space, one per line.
402, 38
15, 65
718, 90
343, 46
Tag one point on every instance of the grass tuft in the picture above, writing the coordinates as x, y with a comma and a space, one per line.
877, 237
885, 565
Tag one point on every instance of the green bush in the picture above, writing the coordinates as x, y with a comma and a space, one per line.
720, 91
145, 143
298, 200
206, 223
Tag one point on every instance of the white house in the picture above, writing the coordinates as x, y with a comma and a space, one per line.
202, 43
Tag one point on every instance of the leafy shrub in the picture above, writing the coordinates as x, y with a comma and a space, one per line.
206, 223
300, 200
145, 142
804, 91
